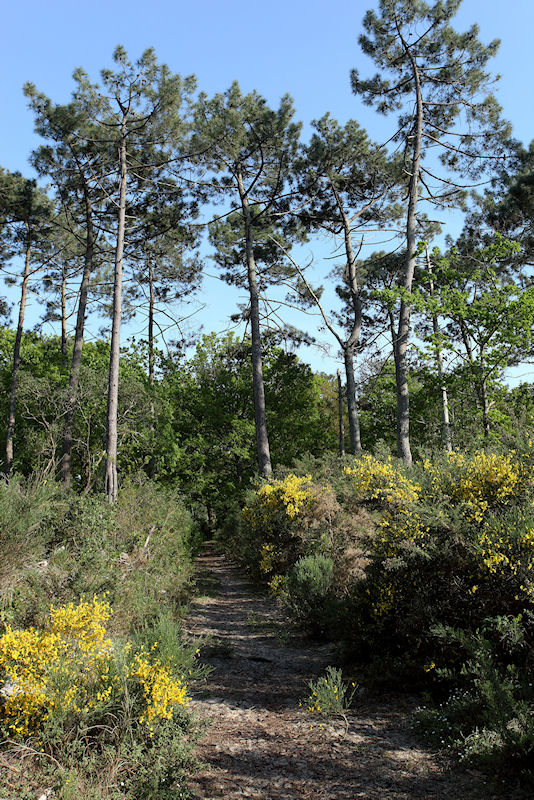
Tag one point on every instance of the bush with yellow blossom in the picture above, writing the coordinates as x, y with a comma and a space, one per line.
277, 518
481, 482
71, 669
382, 482
453, 545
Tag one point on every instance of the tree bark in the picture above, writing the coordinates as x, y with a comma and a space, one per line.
66, 448
111, 481
64, 314
8, 460
403, 332
446, 427
340, 415
483, 393
152, 463
354, 337
354, 422
260, 418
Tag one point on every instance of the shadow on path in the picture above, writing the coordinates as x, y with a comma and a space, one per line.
258, 742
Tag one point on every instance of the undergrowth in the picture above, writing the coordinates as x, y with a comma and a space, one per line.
425, 575
94, 703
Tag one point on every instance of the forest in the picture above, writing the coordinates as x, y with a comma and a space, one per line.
387, 505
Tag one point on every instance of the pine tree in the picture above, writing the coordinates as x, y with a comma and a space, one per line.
27, 213
72, 159
137, 111
350, 185
437, 80
247, 150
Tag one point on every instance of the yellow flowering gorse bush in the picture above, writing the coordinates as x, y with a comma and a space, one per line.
382, 481
70, 667
508, 549
479, 482
281, 518
398, 525
65, 667
289, 496
161, 690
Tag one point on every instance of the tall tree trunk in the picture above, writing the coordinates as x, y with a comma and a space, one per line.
446, 427
340, 415
64, 314
354, 423
483, 394
152, 464
354, 337
403, 332
76, 361
111, 481
477, 370
260, 418
8, 460
484, 400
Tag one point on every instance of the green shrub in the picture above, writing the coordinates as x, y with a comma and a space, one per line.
487, 719
30, 511
329, 695
79, 693
137, 551
307, 593
62, 548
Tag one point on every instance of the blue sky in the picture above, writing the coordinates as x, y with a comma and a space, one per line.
304, 48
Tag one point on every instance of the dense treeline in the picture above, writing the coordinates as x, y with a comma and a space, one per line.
192, 428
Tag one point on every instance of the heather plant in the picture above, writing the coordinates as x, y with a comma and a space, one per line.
98, 707
448, 543
443, 568
307, 593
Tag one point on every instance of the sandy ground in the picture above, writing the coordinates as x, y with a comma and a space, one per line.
258, 742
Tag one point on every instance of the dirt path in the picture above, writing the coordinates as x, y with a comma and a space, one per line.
259, 743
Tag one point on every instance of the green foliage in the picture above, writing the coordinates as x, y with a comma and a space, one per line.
487, 718
60, 548
30, 510
63, 548
206, 425
485, 312
76, 691
329, 695
430, 587
43, 381
307, 594
417, 51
